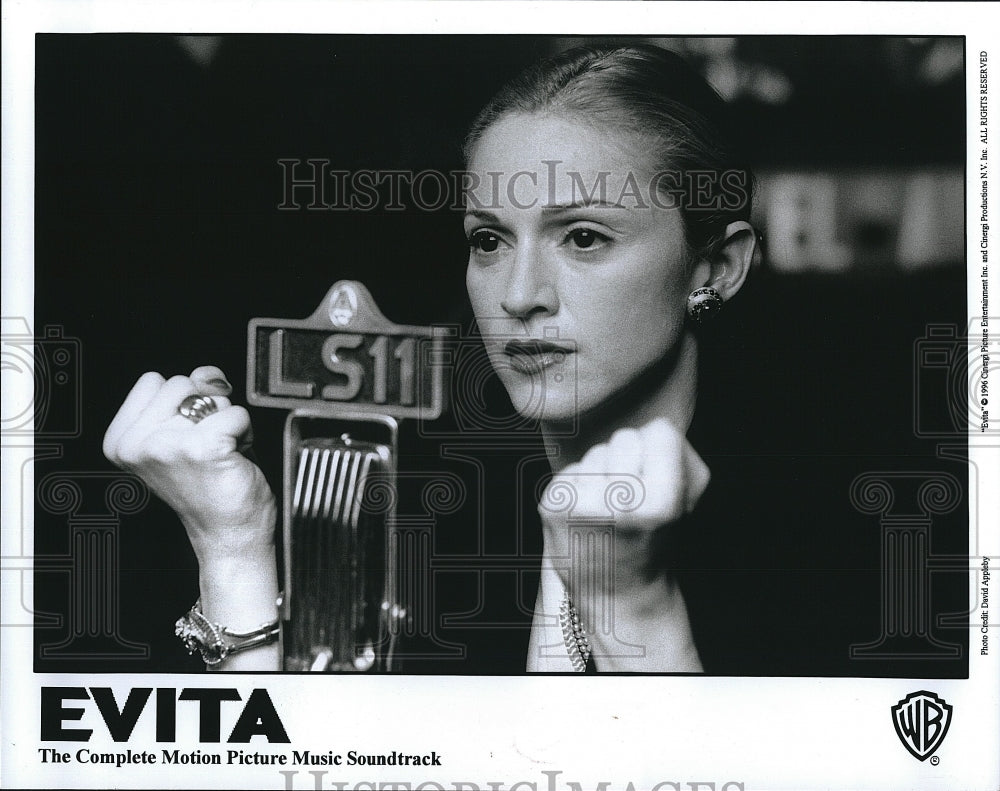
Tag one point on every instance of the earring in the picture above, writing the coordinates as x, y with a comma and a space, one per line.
703, 303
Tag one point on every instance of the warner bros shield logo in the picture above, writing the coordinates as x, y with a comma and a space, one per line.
921, 720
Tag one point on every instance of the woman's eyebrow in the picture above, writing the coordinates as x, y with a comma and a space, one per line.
582, 204
480, 214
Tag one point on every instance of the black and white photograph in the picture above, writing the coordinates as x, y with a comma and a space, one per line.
369, 383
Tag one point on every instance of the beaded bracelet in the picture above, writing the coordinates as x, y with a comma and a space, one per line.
574, 635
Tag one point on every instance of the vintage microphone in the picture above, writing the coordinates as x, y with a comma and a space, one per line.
348, 375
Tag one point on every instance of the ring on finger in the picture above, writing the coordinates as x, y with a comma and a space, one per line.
197, 407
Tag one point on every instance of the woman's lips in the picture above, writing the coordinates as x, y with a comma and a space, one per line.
534, 356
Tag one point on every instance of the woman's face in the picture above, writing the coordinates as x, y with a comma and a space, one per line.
577, 288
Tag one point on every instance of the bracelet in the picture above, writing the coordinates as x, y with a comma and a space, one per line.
574, 635
216, 642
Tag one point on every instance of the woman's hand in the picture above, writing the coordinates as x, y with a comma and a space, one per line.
223, 499
599, 517
198, 469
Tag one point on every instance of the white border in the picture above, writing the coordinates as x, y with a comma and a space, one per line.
643, 730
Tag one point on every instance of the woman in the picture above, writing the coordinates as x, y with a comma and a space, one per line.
607, 215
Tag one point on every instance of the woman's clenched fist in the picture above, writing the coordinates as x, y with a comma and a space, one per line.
198, 468
599, 517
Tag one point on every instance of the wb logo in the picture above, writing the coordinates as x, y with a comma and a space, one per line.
921, 720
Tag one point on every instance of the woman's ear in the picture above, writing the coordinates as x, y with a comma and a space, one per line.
731, 258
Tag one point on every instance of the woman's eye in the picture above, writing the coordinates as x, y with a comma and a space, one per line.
484, 242
586, 238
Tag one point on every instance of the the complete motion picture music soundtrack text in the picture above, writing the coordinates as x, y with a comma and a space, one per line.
235, 757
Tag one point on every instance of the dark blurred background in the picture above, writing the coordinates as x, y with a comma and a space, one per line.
158, 237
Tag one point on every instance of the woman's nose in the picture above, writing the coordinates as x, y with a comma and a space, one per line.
530, 286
